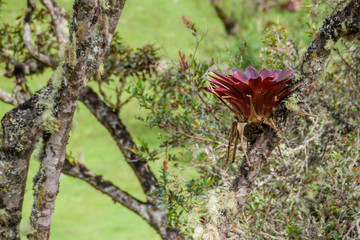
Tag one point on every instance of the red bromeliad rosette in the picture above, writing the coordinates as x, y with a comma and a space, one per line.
252, 95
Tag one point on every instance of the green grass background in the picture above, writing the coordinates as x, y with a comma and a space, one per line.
81, 212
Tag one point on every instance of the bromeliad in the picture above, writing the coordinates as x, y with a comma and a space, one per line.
252, 96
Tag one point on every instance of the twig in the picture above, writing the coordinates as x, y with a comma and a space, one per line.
27, 38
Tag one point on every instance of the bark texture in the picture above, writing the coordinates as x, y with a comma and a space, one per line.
153, 213
342, 24
90, 35
21, 129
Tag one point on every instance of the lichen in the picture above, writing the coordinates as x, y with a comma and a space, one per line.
4, 217
51, 123
306, 68
228, 204
291, 104
70, 51
329, 44
1, 136
302, 52
102, 26
206, 232
100, 70
58, 77
104, 4
25, 229
212, 209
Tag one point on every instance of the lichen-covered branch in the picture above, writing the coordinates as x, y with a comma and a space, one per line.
21, 129
108, 118
58, 21
342, 24
28, 41
93, 25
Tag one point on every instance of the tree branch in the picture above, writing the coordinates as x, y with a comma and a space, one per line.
90, 35
119, 133
80, 171
21, 130
6, 97
343, 24
155, 216
58, 21
27, 38
21, 91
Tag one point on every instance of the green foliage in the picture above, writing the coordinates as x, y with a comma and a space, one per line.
279, 52
12, 46
179, 195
